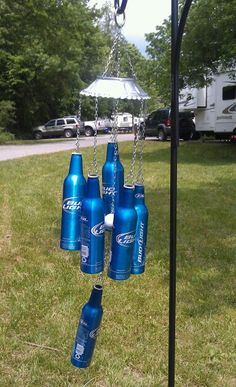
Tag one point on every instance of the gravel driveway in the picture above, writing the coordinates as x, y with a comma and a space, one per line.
9, 152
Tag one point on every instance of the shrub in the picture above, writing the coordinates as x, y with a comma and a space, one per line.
7, 114
6, 136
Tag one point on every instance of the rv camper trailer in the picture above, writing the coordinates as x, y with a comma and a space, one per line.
214, 106
126, 121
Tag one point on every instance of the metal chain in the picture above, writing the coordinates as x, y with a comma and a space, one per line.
118, 56
77, 144
141, 131
115, 57
100, 278
114, 140
94, 166
130, 177
111, 55
130, 62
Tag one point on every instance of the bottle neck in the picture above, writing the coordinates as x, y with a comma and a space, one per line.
92, 187
112, 147
139, 197
76, 164
127, 196
96, 296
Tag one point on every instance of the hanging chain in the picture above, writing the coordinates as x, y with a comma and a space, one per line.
141, 131
114, 140
100, 279
77, 144
118, 53
130, 63
136, 137
94, 166
114, 56
111, 55
130, 176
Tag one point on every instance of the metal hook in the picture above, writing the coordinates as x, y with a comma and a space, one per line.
120, 9
120, 23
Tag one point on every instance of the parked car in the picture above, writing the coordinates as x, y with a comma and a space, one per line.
66, 126
158, 124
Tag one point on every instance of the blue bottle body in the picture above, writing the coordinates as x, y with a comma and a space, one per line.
92, 228
123, 236
73, 193
111, 170
139, 253
88, 329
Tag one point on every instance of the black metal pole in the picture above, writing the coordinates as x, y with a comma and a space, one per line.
173, 192
176, 38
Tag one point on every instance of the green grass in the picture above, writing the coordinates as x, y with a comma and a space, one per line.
43, 290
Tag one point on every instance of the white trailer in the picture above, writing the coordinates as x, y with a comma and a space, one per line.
214, 106
126, 121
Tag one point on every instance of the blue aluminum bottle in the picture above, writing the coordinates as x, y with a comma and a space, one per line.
88, 329
110, 170
92, 228
73, 193
139, 253
123, 236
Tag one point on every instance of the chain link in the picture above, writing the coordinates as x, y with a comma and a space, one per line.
130, 63
141, 131
77, 144
114, 140
118, 54
130, 176
113, 50
94, 166
99, 279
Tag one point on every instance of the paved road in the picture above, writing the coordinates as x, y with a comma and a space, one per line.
9, 152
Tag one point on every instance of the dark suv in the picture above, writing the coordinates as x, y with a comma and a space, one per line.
158, 124
66, 126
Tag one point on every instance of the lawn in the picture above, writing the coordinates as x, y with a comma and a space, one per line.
43, 290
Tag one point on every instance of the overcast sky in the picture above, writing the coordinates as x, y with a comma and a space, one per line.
141, 17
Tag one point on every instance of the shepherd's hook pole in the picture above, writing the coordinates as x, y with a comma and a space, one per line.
176, 38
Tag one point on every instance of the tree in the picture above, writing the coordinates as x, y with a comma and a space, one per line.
208, 46
48, 51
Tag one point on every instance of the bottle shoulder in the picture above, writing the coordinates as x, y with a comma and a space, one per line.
123, 212
75, 179
91, 310
110, 165
95, 204
141, 207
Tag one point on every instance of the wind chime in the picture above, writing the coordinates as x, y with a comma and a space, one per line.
121, 211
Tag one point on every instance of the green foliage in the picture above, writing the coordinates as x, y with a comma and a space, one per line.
5, 137
158, 65
208, 45
48, 49
209, 41
7, 114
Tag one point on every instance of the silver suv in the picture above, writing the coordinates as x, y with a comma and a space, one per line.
66, 126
